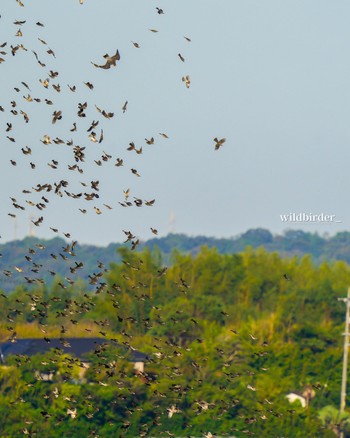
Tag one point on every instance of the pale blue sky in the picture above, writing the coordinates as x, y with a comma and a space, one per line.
270, 76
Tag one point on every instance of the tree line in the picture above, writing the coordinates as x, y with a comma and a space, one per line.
228, 336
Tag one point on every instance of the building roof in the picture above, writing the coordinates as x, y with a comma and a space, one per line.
79, 347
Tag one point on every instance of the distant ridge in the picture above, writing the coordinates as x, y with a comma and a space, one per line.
290, 243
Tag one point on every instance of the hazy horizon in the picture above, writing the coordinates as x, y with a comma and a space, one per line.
325, 235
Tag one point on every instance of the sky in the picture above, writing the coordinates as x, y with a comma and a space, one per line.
271, 77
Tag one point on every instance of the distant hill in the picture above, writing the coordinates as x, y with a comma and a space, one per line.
50, 255
289, 244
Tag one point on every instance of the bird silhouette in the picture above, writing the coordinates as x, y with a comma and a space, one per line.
110, 61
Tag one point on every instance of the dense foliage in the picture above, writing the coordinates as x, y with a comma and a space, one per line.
289, 244
228, 336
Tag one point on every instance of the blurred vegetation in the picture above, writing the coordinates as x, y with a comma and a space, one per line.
290, 243
228, 336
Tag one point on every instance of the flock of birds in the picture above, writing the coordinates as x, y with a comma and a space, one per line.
39, 196
90, 190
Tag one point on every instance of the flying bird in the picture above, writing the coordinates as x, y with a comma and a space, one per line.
219, 143
110, 61
187, 81
150, 141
